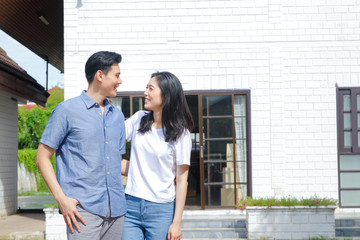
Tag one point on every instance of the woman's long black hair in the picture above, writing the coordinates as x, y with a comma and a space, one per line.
175, 115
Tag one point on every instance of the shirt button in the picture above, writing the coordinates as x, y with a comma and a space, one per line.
108, 172
107, 157
107, 142
99, 113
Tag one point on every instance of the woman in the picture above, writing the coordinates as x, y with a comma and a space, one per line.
160, 153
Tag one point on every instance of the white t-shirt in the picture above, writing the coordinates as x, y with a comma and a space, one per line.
153, 161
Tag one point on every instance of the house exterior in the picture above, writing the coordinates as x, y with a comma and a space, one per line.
16, 86
273, 87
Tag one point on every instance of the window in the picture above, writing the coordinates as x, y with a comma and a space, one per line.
220, 169
129, 104
348, 114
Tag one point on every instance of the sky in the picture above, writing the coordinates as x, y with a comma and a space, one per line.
30, 62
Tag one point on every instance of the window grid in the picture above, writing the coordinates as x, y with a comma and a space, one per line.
348, 110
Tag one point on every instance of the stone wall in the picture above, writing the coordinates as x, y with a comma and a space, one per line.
299, 222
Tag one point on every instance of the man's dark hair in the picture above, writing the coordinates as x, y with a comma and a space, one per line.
100, 61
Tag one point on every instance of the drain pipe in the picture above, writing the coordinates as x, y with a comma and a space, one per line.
47, 72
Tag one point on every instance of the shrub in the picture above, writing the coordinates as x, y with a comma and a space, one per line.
285, 201
27, 157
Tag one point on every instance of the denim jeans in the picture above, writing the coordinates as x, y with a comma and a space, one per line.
147, 220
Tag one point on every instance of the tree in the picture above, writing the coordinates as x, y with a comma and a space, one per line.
31, 123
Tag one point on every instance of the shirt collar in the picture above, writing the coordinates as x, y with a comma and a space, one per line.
108, 104
89, 102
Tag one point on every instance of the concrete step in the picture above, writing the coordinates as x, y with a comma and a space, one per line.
214, 233
347, 227
348, 222
219, 224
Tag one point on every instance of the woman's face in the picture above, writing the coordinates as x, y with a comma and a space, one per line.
153, 98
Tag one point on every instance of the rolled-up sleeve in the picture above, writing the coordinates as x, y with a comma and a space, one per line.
56, 129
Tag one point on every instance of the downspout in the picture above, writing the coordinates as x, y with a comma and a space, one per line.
47, 72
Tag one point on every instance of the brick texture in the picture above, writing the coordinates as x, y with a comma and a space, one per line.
8, 155
289, 54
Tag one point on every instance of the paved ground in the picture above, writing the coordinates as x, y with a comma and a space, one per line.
24, 225
32, 225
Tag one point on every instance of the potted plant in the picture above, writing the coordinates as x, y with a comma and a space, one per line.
289, 217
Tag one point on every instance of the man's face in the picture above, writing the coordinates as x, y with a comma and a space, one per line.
111, 80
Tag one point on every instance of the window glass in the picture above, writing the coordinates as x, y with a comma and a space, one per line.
347, 103
350, 180
347, 139
216, 150
350, 162
224, 195
350, 198
349, 151
214, 172
218, 127
217, 105
123, 103
138, 104
347, 120
225, 155
240, 105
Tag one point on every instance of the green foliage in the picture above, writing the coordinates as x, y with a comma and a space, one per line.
31, 123
56, 97
27, 157
325, 238
53, 206
285, 201
32, 193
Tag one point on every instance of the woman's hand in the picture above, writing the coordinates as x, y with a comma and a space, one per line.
174, 232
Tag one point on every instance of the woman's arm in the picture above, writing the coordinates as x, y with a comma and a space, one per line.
124, 166
182, 172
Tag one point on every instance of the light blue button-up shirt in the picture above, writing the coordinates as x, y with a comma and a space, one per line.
88, 153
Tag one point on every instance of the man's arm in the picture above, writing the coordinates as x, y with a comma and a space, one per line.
67, 205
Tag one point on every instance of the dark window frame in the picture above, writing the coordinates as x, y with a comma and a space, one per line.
231, 92
354, 149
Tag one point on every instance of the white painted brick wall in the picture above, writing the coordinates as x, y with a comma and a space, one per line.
8, 154
290, 54
55, 228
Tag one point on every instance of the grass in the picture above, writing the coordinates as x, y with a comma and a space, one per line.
324, 238
33, 193
53, 206
285, 201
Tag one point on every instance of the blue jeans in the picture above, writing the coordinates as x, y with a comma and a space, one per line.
145, 219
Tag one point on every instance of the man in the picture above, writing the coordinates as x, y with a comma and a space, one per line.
88, 135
